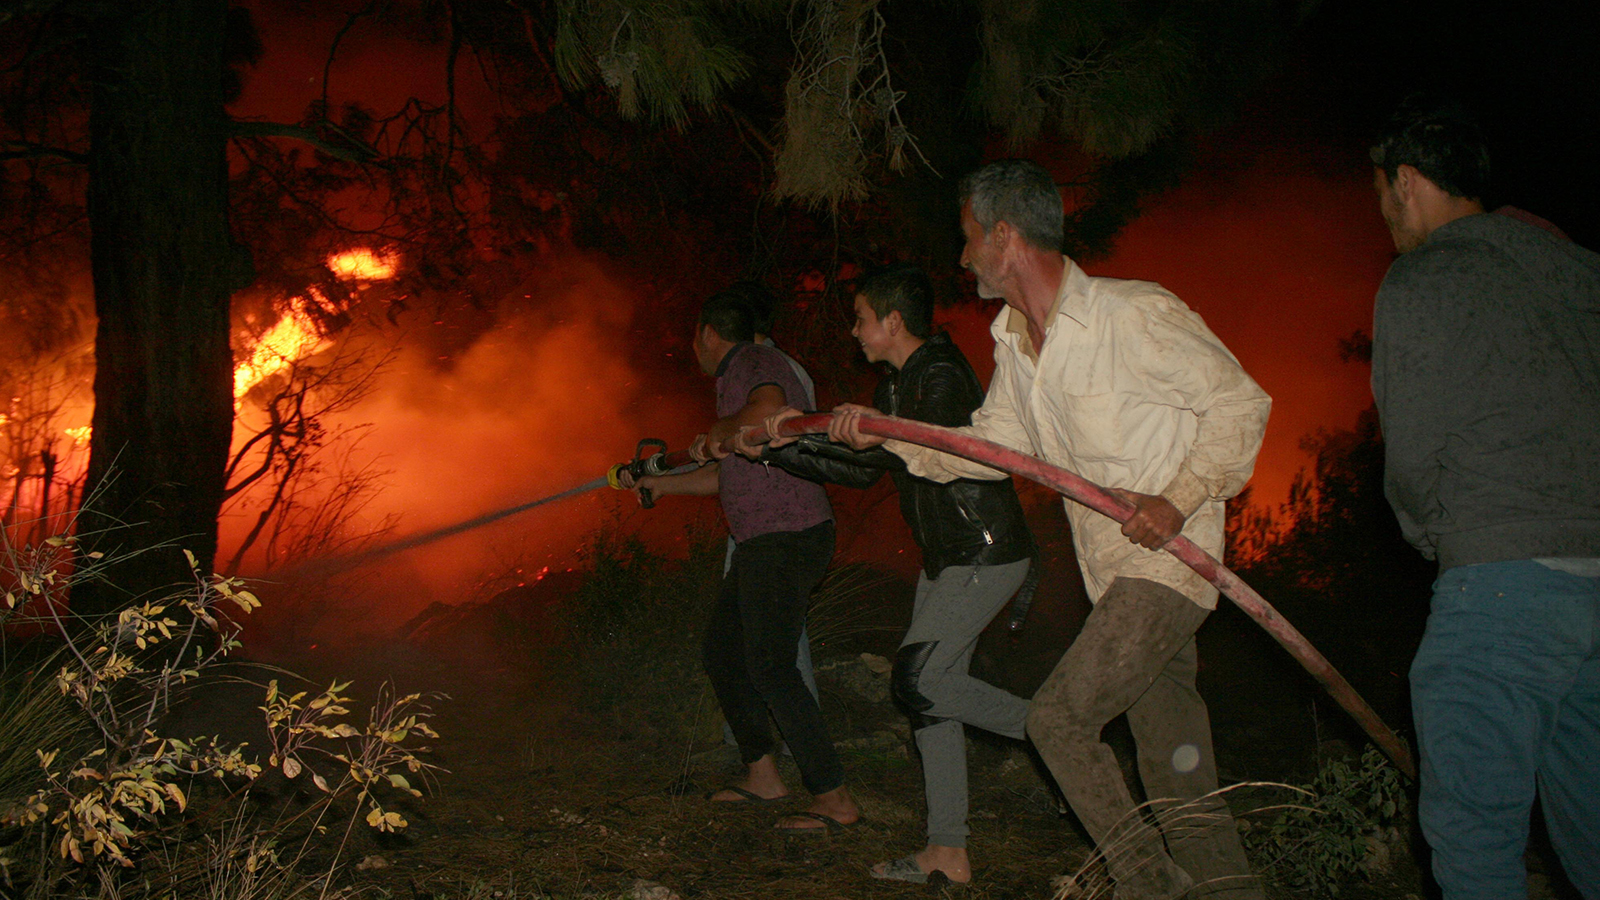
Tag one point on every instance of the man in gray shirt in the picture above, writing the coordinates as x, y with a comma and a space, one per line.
1486, 371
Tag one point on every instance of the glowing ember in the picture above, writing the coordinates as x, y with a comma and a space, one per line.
362, 265
79, 435
294, 338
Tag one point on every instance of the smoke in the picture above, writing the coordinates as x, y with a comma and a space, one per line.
468, 418
546, 398
1281, 257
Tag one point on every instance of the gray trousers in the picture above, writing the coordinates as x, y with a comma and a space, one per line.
931, 677
1136, 654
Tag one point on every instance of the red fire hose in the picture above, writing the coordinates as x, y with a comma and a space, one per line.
1104, 502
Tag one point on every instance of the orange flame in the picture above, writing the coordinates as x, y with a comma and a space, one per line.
362, 264
296, 335
293, 338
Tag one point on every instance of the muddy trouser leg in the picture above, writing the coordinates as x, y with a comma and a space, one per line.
776, 573
1172, 730
802, 657
1134, 631
931, 679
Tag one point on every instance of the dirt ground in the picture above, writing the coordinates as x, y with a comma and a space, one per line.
554, 785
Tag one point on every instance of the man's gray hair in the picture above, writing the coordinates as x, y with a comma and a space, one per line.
1021, 193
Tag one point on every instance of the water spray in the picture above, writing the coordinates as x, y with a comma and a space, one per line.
641, 464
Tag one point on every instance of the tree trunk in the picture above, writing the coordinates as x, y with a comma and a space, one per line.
164, 268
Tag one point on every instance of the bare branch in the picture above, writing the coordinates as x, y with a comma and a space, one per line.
30, 150
333, 48
749, 127
538, 51
352, 151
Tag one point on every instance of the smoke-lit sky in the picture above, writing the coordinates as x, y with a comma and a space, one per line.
1274, 238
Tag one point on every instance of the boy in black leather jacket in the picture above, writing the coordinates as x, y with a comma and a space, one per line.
975, 545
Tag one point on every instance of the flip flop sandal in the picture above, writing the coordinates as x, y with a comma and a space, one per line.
745, 797
825, 824
903, 869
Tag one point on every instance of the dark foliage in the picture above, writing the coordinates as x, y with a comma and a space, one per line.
1332, 560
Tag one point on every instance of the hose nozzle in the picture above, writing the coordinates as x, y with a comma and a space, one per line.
641, 465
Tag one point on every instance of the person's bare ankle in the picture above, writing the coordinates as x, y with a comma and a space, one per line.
836, 804
952, 861
761, 779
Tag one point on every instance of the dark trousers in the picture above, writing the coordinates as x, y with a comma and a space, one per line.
1136, 655
750, 650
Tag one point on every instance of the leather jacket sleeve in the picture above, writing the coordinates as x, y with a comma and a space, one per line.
818, 459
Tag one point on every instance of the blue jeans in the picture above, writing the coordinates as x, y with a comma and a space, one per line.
1506, 693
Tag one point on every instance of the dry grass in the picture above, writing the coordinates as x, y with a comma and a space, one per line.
33, 714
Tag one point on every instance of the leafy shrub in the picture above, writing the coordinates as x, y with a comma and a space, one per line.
1320, 845
107, 803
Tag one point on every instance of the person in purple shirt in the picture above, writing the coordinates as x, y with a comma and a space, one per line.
782, 527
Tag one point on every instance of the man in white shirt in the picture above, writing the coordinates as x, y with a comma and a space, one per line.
1121, 383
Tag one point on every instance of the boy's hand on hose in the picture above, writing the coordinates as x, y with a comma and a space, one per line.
846, 426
